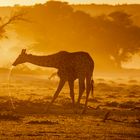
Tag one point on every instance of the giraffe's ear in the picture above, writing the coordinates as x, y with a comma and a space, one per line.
23, 51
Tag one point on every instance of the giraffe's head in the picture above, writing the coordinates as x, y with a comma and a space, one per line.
21, 58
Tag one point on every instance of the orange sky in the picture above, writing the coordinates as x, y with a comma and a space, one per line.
29, 2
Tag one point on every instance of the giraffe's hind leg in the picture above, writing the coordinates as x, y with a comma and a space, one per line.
88, 88
81, 89
71, 86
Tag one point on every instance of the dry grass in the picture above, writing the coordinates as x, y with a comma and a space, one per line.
114, 113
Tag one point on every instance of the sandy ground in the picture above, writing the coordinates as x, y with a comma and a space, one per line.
113, 113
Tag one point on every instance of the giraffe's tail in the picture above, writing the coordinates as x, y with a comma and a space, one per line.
92, 87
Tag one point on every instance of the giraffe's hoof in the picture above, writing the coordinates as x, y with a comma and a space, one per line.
77, 105
84, 111
75, 111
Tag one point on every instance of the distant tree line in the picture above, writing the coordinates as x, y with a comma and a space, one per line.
111, 39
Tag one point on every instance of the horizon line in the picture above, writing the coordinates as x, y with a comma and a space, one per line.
99, 4
70, 3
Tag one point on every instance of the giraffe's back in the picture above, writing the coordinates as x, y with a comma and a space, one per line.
75, 64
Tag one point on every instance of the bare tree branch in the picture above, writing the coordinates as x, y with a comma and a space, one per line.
20, 16
13, 19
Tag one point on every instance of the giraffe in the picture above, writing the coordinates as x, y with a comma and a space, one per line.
71, 66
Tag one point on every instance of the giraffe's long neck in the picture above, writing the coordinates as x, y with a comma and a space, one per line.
45, 61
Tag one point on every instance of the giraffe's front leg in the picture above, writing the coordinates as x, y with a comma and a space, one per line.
60, 86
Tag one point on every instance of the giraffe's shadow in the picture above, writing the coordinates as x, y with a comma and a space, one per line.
37, 107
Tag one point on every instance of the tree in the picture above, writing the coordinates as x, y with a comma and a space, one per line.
111, 38
14, 18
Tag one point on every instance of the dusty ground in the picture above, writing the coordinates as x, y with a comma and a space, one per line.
113, 113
